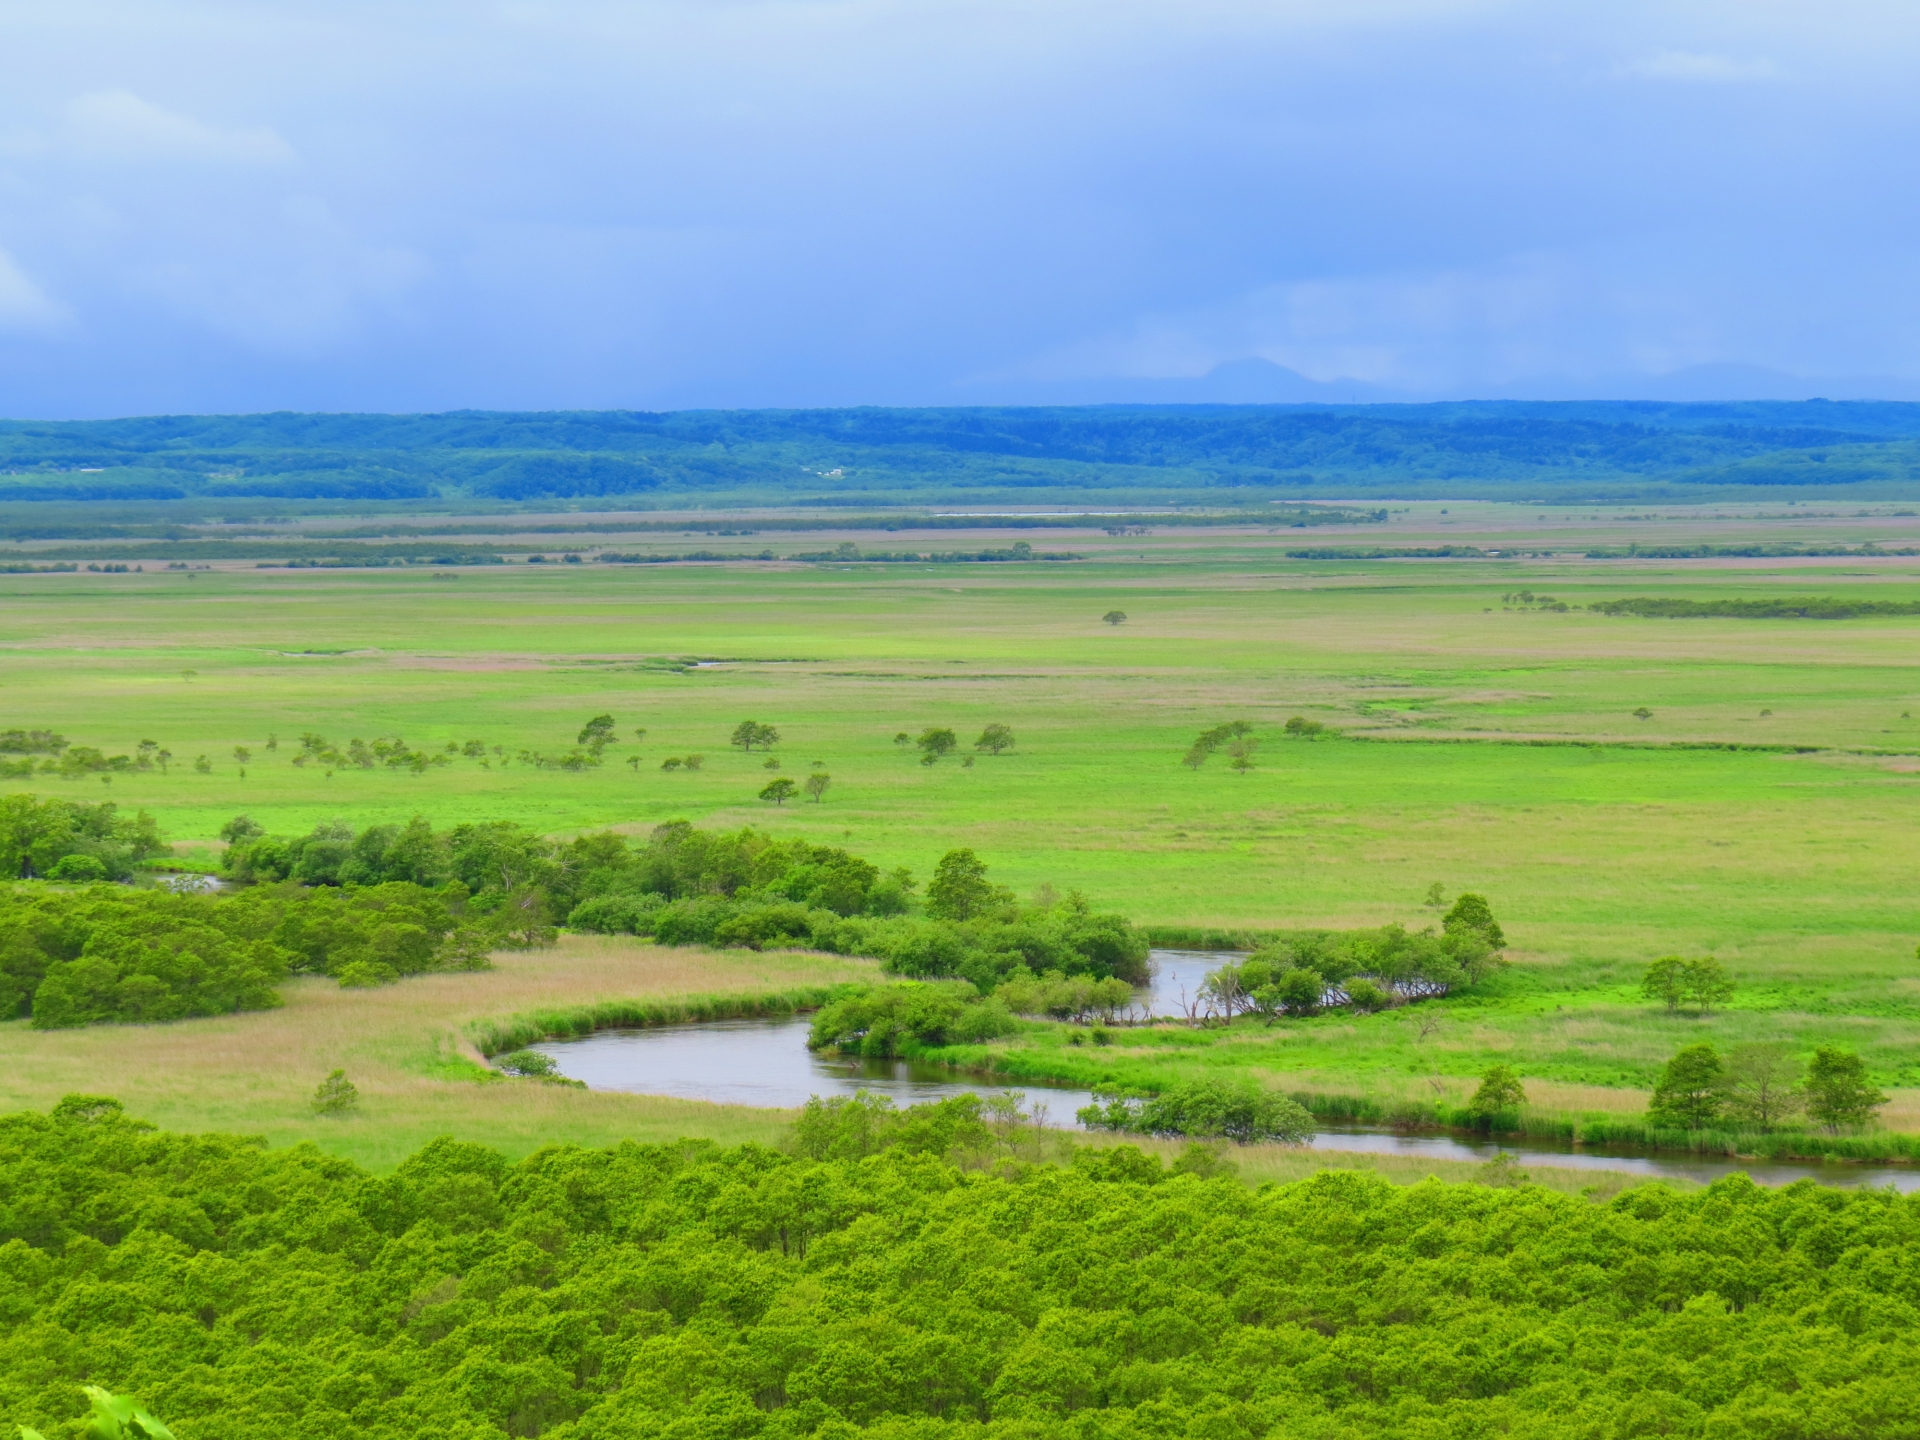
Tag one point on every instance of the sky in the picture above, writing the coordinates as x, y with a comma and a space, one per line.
406, 205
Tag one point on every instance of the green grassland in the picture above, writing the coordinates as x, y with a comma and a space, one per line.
1482, 746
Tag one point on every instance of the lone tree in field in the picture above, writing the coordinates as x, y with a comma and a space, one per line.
1115, 617
596, 734
1500, 1090
934, 742
1688, 1094
1707, 983
995, 738
1665, 982
779, 791
749, 733
1838, 1091
817, 784
336, 1095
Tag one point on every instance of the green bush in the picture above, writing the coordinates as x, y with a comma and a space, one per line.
1243, 1111
78, 869
885, 1021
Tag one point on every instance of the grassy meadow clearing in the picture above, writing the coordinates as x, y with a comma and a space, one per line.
1483, 744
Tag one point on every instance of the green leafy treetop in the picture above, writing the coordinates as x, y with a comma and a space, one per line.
336, 1095
749, 733
1471, 912
1688, 1096
115, 1417
995, 738
779, 791
1673, 980
596, 734
1664, 982
1838, 1091
959, 889
1115, 617
935, 741
1500, 1090
1762, 1084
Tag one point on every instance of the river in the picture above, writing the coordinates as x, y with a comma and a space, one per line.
766, 1063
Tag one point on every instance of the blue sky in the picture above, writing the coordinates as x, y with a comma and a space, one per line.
413, 204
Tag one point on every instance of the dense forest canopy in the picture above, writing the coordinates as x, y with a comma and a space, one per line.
813, 453
922, 1277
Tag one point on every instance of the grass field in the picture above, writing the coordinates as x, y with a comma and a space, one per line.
1486, 748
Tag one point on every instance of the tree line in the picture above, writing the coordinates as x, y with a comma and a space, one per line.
920, 1275
107, 954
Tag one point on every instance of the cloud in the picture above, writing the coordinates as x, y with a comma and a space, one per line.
23, 304
1689, 68
1652, 305
301, 204
119, 125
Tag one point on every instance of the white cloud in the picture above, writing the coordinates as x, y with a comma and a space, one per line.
1695, 69
23, 304
119, 125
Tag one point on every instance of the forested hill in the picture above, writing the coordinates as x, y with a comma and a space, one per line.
1506, 448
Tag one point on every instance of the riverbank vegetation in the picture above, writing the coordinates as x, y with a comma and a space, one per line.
915, 1274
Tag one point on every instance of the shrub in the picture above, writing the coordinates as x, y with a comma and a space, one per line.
1241, 1111
78, 869
366, 975
530, 1063
1366, 997
884, 1021
336, 1095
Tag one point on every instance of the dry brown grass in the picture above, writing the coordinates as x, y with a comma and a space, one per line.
402, 1046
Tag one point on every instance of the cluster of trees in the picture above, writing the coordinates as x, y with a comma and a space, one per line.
1675, 981
70, 840
1237, 739
1059, 996
1368, 970
69, 761
686, 886
1243, 1111
389, 751
751, 733
1235, 735
888, 1021
936, 742
1527, 599
1802, 608
1763, 1086
109, 954
885, 1278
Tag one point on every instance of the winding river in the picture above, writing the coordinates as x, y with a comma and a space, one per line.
767, 1063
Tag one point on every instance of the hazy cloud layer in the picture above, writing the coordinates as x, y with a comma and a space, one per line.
275, 204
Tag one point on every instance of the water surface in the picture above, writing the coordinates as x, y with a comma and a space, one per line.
766, 1063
